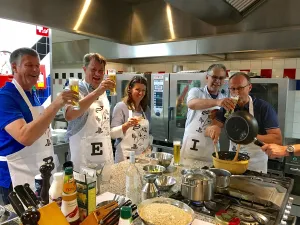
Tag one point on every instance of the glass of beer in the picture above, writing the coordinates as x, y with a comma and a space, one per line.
235, 99
113, 91
74, 86
176, 148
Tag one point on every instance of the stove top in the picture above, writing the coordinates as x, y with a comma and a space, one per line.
255, 198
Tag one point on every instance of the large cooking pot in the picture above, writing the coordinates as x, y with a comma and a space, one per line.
197, 186
242, 128
222, 177
225, 161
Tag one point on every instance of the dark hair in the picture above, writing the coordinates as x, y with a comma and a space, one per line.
241, 74
16, 55
127, 95
215, 66
96, 56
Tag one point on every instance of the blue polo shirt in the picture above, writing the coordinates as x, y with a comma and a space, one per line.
264, 113
12, 107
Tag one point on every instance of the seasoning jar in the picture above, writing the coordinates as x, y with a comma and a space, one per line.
224, 217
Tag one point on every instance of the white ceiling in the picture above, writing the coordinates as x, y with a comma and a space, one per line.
61, 36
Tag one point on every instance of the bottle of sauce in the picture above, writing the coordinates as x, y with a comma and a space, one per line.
56, 188
125, 216
69, 206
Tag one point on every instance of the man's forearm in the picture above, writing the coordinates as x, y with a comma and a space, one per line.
270, 138
84, 105
198, 104
35, 129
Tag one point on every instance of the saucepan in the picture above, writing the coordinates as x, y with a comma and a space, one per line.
242, 128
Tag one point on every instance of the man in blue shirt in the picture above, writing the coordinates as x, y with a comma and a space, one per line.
264, 113
24, 133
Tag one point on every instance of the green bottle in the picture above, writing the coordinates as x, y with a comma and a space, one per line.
126, 216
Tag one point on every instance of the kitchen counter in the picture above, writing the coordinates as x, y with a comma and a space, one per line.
117, 183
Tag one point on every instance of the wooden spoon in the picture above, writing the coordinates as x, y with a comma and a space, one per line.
237, 153
216, 151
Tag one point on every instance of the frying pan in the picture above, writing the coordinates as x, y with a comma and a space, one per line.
242, 128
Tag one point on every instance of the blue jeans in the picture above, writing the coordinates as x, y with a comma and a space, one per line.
4, 192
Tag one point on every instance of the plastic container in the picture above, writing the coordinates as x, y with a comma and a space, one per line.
56, 188
125, 216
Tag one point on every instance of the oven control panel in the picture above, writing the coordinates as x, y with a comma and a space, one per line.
158, 90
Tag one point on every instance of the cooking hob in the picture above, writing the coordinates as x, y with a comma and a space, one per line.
252, 208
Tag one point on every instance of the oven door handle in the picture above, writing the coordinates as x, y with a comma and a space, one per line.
294, 169
171, 113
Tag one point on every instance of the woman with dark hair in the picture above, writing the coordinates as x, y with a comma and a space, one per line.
130, 120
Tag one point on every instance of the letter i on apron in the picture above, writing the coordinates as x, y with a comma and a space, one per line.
92, 144
24, 165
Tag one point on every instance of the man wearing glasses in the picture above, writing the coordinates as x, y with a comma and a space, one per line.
264, 113
202, 104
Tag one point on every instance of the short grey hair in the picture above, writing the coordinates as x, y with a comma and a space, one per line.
215, 66
88, 57
17, 54
241, 74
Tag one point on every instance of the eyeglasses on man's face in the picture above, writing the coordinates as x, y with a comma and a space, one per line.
215, 78
238, 88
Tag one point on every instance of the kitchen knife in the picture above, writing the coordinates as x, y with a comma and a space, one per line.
32, 195
16, 203
25, 198
133, 207
134, 216
127, 203
107, 219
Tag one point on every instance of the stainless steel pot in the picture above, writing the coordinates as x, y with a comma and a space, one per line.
197, 187
222, 177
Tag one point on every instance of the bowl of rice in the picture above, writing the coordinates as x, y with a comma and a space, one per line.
165, 211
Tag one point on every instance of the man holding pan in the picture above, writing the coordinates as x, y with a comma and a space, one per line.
264, 113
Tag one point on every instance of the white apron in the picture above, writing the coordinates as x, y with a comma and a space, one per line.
195, 145
258, 159
92, 144
24, 165
136, 139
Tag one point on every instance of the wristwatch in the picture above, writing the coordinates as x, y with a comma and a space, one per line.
290, 149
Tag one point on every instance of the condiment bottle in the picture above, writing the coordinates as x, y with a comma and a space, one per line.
69, 206
56, 189
125, 216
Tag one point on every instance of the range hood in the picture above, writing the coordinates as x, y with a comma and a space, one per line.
136, 22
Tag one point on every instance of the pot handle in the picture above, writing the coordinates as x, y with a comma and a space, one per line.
258, 142
188, 185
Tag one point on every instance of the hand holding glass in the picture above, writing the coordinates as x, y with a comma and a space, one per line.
229, 112
113, 91
74, 86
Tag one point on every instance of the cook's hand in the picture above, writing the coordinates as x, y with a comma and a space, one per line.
66, 97
213, 132
105, 85
213, 114
132, 122
274, 150
226, 103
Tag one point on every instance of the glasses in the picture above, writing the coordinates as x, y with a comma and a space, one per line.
217, 78
238, 88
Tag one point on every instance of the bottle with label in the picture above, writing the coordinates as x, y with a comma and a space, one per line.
56, 188
69, 206
125, 216
133, 181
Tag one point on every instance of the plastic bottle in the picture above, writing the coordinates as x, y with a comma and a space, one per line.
56, 188
125, 216
133, 181
69, 206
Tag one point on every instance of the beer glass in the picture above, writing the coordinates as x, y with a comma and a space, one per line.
235, 99
74, 86
176, 148
113, 91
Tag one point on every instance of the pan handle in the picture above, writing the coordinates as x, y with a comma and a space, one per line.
258, 142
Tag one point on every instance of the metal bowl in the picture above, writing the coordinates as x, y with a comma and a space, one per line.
164, 183
154, 169
163, 158
169, 201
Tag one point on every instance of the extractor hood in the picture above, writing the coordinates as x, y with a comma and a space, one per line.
136, 22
